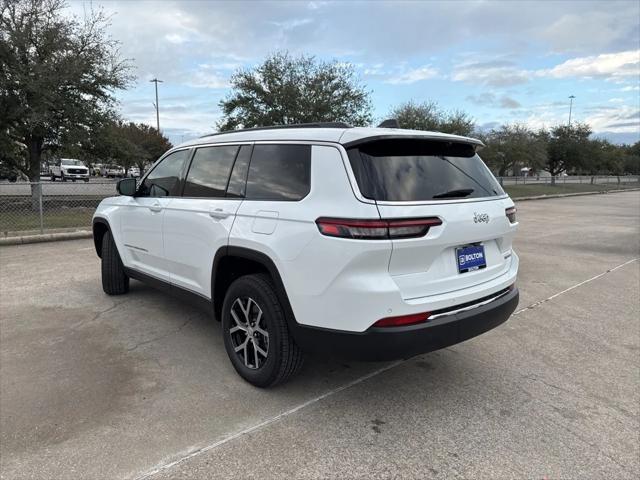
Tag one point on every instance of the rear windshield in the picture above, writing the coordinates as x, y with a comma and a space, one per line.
410, 170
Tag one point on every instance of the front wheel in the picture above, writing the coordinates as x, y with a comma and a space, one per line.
114, 279
255, 333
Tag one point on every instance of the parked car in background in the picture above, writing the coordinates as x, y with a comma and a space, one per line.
113, 171
364, 243
133, 172
69, 169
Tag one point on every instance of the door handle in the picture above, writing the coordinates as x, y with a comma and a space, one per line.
218, 213
156, 207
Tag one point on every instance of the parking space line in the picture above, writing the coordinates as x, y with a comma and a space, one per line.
196, 452
538, 303
269, 421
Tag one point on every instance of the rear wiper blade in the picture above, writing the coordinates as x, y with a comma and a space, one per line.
463, 192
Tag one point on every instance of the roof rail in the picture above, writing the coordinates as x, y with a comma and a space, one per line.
284, 127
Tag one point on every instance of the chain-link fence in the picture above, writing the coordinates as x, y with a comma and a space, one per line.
569, 179
32, 208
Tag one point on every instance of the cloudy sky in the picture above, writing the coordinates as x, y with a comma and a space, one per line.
501, 61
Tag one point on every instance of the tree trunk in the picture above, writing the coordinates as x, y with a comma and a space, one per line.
593, 177
553, 179
33, 171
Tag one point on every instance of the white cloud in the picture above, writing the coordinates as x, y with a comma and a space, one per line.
175, 38
500, 73
584, 30
491, 100
630, 88
205, 78
413, 75
495, 73
619, 64
624, 118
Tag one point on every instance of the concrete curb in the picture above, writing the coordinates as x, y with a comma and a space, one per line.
46, 237
54, 237
563, 195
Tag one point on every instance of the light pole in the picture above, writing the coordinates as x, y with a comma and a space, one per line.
571, 97
155, 80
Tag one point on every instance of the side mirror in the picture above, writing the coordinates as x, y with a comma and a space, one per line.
127, 186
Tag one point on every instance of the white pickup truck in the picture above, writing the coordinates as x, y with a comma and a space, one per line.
69, 169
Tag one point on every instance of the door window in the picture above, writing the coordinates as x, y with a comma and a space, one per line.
209, 172
164, 179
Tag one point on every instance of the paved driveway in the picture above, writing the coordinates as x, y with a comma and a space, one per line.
139, 385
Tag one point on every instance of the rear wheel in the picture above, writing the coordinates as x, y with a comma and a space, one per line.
114, 280
255, 333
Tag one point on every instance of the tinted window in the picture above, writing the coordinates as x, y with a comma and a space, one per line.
238, 180
409, 170
279, 172
164, 179
209, 171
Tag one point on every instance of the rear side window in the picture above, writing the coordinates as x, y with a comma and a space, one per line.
238, 180
279, 172
209, 171
164, 179
410, 170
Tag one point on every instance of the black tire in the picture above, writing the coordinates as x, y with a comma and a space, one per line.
114, 280
53, 178
64, 179
284, 358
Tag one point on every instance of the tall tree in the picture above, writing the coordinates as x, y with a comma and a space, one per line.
567, 148
429, 116
142, 145
286, 89
125, 143
511, 147
632, 159
57, 76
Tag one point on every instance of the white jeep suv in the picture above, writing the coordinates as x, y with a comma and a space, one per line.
365, 243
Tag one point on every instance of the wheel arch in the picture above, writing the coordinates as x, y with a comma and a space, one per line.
232, 262
100, 227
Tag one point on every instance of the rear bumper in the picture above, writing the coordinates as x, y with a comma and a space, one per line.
382, 344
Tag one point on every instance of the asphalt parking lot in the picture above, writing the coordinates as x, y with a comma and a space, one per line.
139, 386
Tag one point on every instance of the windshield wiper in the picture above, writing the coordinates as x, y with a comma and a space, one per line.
463, 192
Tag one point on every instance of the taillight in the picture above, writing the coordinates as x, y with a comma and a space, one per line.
376, 229
511, 214
403, 320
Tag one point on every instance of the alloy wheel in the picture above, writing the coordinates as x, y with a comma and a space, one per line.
249, 335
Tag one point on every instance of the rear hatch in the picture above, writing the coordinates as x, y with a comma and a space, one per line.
426, 179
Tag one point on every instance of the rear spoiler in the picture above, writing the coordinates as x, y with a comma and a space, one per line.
451, 140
